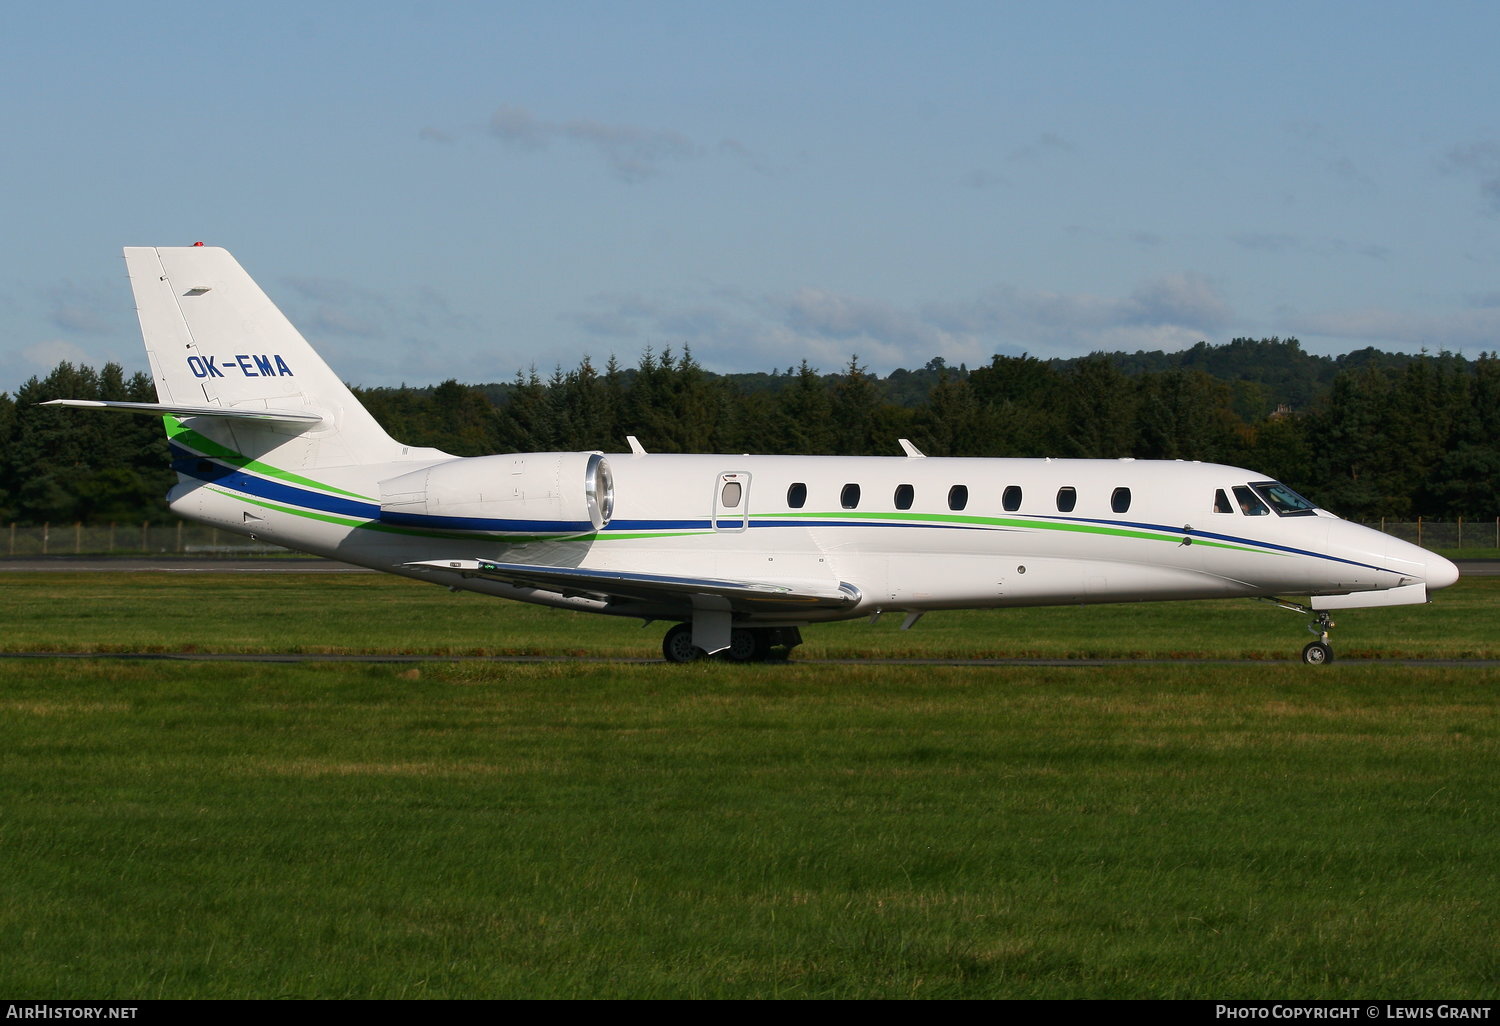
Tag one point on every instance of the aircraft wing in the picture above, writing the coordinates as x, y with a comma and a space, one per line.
744, 596
157, 409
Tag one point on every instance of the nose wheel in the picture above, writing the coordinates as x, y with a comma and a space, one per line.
1316, 653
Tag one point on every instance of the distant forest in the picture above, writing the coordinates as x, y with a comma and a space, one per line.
1367, 434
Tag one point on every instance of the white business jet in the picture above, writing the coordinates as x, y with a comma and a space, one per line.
738, 551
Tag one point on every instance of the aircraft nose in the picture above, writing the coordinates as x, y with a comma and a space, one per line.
1440, 572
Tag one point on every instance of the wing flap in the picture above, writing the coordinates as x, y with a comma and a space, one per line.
624, 584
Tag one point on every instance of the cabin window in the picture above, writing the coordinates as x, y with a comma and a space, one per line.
958, 496
1250, 503
1119, 500
1011, 499
1067, 498
905, 495
796, 496
729, 495
1221, 502
849, 497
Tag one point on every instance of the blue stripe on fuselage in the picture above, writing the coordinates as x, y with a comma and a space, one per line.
201, 468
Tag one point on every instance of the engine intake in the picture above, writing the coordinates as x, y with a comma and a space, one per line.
543, 493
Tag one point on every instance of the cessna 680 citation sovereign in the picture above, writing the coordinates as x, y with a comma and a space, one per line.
738, 551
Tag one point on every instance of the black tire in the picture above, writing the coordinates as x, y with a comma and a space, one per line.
678, 645
1316, 653
744, 646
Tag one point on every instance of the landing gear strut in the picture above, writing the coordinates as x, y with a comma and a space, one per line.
1314, 653
746, 644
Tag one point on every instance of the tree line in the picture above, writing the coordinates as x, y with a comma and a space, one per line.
1367, 435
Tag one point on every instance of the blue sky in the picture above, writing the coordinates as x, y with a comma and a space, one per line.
435, 190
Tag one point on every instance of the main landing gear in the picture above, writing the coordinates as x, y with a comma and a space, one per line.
746, 644
1314, 653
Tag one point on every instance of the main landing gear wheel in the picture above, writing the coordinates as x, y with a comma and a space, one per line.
747, 646
1317, 653
678, 645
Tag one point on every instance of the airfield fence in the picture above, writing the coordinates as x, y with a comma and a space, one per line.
180, 539
1444, 534
197, 540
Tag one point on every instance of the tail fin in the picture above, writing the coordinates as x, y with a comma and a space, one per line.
223, 354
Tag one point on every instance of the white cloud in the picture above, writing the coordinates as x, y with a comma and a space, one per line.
328, 306
632, 153
981, 179
1048, 144
1475, 329
737, 332
36, 360
1480, 160
1165, 313
1285, 243
87, 309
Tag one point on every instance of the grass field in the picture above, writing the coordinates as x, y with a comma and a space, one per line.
379, 614
591, 829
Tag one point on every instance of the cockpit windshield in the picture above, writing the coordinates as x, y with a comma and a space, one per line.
1284, 500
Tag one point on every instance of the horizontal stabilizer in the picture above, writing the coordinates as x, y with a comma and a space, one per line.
1407, 595
567, 580
157, 409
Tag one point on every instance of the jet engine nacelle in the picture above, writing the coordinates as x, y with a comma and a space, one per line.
517, 493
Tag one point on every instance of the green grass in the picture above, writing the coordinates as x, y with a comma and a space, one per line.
555, 830
1474, 552
565, 829
378, 614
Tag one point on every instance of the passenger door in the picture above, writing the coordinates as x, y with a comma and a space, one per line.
732, 501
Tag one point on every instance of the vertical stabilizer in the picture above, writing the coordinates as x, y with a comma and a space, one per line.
215, 339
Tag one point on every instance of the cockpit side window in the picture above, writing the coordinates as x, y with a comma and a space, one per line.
1221, 502
1250, 503
1283, 500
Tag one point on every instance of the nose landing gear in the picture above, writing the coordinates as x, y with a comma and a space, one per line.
1314, 653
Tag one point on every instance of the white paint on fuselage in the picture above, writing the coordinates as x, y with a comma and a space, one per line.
1169, 544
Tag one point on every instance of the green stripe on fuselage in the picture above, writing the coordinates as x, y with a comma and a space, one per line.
375, 525
208, 447
1012, 523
